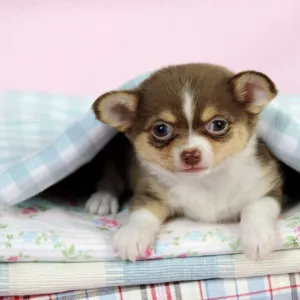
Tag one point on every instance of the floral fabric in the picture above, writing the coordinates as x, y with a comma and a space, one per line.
40, 230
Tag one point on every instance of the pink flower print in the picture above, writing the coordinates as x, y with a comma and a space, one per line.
297, 232
106, 223
29, 210
13, 258
148, 253
182, 255
110, 223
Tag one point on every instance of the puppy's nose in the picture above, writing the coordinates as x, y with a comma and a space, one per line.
191, 157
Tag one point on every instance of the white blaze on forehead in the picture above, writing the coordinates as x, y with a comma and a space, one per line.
188, 106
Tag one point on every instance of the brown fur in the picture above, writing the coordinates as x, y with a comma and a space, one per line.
271, 167
217, 92
150, 195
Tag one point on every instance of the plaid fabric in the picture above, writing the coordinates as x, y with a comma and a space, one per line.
25, 278
43, 120
279, 287
279, 126
44, 138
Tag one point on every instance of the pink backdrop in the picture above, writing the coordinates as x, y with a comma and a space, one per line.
92, 46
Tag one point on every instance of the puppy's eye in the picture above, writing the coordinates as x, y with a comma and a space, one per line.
217, 126
162, 131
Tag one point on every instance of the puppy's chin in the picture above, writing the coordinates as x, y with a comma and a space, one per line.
194, 172
169, 176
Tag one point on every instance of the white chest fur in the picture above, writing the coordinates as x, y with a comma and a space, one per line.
220, 196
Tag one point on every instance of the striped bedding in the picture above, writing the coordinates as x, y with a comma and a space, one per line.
275, 287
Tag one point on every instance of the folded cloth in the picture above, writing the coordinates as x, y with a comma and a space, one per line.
41, 230
276, 287
44, 138
279, 127
38, 278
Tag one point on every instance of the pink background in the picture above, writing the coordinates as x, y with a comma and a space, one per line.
88, 47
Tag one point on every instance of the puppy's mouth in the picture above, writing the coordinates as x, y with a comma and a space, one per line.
193, 170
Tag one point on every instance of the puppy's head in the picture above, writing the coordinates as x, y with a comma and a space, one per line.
188, 119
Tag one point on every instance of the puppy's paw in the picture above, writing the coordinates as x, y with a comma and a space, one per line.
259, 240
131, 242
102, 203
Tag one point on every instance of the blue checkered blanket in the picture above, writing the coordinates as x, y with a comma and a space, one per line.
44, 138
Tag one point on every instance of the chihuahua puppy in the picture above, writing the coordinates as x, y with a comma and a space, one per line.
193, 151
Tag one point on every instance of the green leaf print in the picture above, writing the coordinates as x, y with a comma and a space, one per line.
22, 256
58, 245
70, 253
3, 226
209, 234
71, 250
102, 229
292, 242
53, 234
235, 245
294, 222
176, 241
167, 231
44, 237
291, 238
65, 253
37, 239
87, 256
9, 239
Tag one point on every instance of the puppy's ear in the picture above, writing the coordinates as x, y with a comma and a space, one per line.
254, 89
116, 109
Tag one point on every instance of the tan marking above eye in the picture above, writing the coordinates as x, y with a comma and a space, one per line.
208, 113
167, 116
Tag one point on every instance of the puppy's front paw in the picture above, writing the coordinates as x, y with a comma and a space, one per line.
258, 241
131, 242
102, 203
